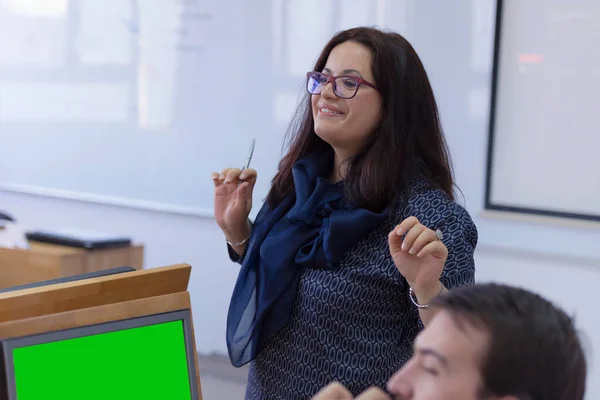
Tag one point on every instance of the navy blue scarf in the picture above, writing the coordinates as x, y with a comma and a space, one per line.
312, 229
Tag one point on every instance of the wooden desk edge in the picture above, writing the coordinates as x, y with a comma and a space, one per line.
94, 281
87, 293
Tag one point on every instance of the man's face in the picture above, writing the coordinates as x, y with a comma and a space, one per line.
445, 365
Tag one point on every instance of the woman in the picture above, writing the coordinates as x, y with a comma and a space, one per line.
323, 293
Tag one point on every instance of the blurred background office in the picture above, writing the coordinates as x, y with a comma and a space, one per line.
113, 114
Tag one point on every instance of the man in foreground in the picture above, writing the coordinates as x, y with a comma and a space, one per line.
492, 342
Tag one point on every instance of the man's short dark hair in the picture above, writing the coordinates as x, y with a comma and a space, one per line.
534, 350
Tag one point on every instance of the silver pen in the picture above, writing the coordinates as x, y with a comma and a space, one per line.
250, 153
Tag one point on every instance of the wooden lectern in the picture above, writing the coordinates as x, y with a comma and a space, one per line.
97, 302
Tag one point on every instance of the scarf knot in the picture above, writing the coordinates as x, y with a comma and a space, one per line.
313, 228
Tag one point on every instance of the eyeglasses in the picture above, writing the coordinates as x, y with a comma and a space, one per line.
344, 87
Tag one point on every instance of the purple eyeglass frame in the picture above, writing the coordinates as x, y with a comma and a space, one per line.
331, 79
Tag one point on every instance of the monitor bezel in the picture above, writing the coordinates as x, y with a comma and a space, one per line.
8, 345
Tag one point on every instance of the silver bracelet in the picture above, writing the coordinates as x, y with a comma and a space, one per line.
238, 244
413, 298
243, 241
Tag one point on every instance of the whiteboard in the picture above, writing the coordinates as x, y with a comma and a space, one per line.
545, 154
136, 102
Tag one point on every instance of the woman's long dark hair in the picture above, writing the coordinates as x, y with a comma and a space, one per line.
408, 141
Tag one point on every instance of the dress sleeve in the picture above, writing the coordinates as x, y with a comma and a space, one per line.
460, 237
436, 211
235, 257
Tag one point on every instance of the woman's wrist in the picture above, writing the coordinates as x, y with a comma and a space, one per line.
425, 294
239, 237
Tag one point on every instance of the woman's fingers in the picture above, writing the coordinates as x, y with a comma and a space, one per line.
406, 225
244, 193
232, 175
425, 237
435, 248
229, 175
215, 178
412, 235
395, 237
248, 175
235, 175
223, 174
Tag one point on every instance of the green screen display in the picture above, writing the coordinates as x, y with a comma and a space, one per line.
148, 362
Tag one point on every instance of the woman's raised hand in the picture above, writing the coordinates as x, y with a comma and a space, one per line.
419, 254
233, 201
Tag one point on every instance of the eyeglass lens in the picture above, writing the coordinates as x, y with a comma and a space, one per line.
343, 87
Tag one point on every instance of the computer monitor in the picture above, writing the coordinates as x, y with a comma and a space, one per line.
147, 358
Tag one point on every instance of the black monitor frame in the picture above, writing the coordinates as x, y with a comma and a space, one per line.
489, 204
8, 345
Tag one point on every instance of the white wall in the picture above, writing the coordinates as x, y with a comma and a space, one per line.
168, 239
454, 40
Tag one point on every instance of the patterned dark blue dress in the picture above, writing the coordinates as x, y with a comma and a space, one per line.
356, 324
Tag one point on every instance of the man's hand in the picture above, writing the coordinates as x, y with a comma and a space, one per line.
337, 391
333, 391
373, 393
